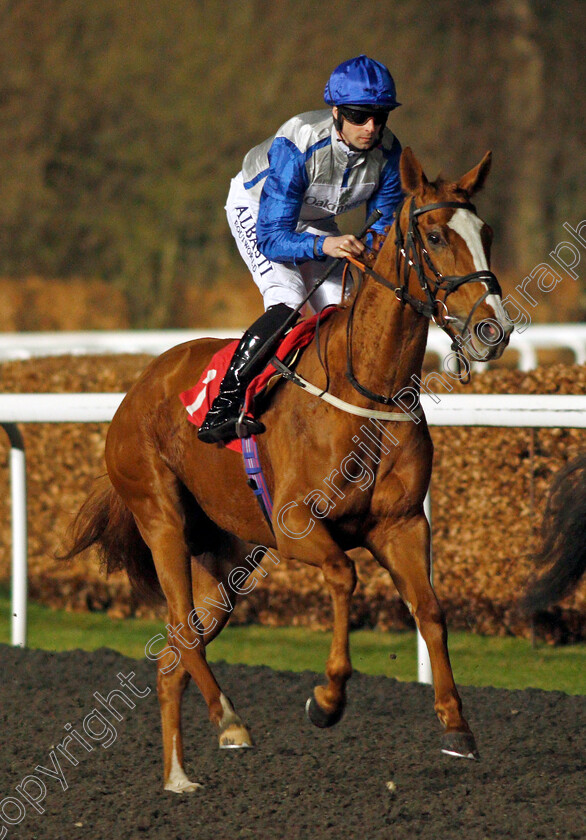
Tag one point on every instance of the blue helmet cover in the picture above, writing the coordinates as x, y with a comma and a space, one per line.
361, 81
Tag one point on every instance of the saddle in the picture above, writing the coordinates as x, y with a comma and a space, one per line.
198, 400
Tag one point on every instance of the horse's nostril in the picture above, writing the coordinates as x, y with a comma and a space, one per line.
490, 332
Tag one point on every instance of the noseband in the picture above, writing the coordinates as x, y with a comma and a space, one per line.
411, 249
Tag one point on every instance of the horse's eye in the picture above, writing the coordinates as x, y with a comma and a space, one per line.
434, 238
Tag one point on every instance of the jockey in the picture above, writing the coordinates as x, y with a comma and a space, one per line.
282, 210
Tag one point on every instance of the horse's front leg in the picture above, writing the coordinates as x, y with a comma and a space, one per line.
326, 706
403, 548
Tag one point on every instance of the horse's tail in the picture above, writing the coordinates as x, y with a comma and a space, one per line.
563, 538
104, 521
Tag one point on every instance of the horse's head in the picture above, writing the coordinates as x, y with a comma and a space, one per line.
446, 244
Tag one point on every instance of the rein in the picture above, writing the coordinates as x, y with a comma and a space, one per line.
408, 249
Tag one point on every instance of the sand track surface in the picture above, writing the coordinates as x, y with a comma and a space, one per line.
378, 775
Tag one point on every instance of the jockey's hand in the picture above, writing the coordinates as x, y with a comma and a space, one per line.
342, 246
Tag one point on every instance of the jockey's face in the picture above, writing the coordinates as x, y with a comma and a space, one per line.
359, 137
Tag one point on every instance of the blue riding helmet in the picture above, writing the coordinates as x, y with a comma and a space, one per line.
361, 81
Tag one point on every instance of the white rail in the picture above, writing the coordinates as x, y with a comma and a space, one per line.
28, 345
452, 410
525, 343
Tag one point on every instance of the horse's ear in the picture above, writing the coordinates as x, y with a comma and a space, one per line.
474, 180
412, 174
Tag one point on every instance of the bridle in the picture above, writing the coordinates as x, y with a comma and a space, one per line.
411, 251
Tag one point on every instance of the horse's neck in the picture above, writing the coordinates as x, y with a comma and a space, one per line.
388, 338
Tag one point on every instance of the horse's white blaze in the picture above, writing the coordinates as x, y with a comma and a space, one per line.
468, 226
178, 781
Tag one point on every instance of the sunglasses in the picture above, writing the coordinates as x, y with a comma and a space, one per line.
357, 116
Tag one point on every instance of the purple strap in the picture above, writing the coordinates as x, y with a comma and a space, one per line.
256, 478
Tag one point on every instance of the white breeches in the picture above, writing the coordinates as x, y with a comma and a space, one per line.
280, 282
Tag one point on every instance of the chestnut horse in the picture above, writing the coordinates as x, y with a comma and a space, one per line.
178, 513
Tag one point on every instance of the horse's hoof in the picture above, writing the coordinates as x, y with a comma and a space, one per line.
183, 786
235, 737
319, 717
460, 745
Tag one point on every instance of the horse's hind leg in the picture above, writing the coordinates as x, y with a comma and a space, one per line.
173, 678
213, 604
171, 685
159, 517
404, 549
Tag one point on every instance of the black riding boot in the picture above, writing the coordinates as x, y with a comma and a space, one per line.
248, 360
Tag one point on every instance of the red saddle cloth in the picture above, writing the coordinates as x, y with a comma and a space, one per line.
198, 400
